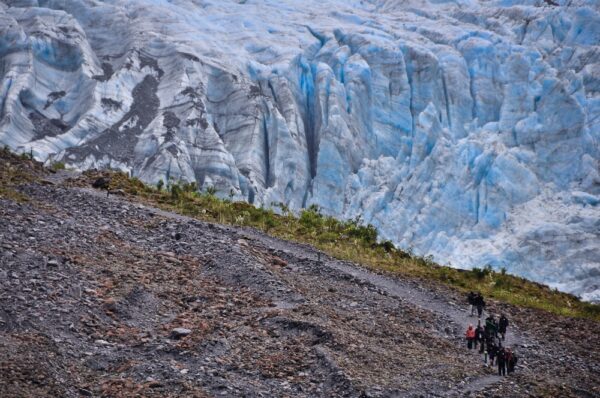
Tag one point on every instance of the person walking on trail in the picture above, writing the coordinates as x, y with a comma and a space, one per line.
501, 359
488, 326
470, 336
502, 325
492, 350
491, 327
480, 304
479, 337
495, 326
511, 361
471, 300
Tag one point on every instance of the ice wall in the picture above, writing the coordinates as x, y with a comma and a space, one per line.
467, 130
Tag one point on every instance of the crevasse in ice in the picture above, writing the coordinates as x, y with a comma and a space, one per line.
468, 130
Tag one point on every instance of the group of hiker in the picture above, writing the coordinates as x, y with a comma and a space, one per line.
490, 337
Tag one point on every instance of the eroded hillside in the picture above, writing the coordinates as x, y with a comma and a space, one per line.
105, 296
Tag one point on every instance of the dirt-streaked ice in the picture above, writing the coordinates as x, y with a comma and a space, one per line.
467, 130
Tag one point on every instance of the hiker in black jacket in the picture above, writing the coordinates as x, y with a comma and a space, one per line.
492, 349
480, 304
495, 327
502, 325
501, 355
480, 337
511, 361
471, 300
491, 326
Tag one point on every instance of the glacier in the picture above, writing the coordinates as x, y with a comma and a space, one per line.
466, 130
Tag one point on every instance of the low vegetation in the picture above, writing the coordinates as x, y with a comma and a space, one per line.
56, 166
352, 240
14, 171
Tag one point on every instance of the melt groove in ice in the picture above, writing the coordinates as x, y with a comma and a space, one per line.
467, 130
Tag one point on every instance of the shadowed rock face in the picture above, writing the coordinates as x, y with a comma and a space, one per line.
469, 132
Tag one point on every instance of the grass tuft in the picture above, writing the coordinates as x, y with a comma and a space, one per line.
56, 166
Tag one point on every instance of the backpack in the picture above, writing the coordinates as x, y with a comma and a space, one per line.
501, 354
470, 333
479, 333
471, 298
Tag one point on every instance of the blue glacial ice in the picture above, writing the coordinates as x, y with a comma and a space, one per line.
467, 130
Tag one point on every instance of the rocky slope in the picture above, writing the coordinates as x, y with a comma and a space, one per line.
467, 130
108, 297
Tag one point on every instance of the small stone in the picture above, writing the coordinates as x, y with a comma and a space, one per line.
101, 342
278, 261
52, 263
178, 333
155, 384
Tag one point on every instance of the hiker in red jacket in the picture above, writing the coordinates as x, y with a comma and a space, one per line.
470, 336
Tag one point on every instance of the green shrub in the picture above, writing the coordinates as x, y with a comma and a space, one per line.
388, 246
328, 237
211, 191
269, 220
480, 274
57, 166
176, 192
311, 218
365, 233
190, 187
501, 281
